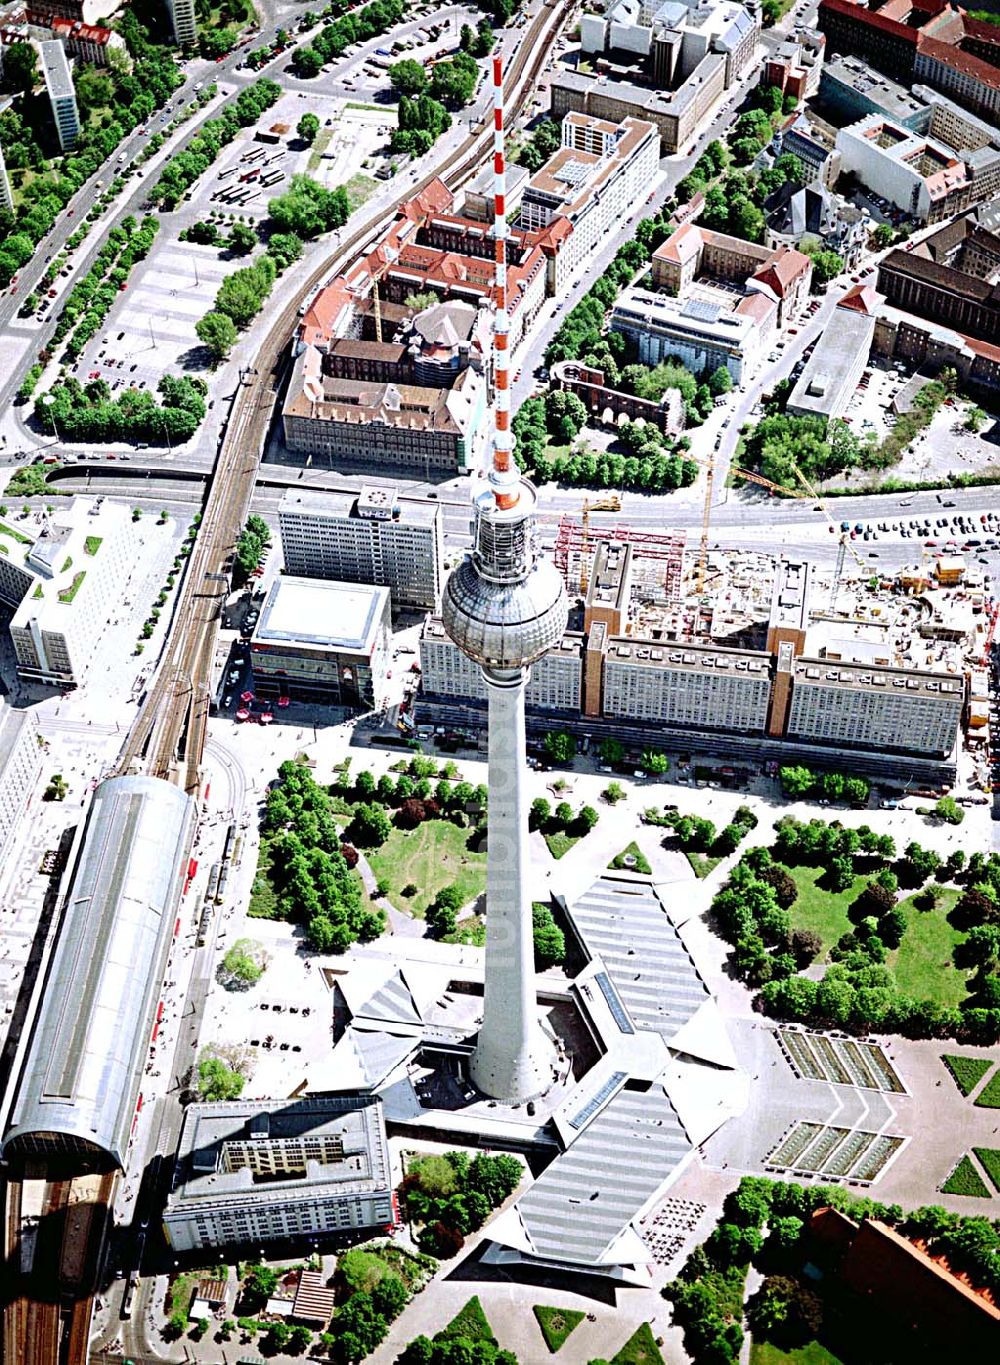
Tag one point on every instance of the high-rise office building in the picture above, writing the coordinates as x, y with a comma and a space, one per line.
183, 21
374, 536
6, 198
62, 95
505, 607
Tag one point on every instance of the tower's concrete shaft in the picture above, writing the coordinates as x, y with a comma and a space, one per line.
505, 607
512, 1058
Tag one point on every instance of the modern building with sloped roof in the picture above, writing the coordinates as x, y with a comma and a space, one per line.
80, 1081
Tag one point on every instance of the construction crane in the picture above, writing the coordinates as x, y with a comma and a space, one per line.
845, 541
708, 463
585, 549
389, 257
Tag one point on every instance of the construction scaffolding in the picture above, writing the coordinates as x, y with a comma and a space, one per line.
658, 556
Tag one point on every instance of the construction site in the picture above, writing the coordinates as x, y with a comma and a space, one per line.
754, 653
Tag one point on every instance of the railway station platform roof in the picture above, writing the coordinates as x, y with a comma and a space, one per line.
80, 1082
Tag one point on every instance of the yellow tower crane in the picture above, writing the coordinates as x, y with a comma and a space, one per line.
708, 463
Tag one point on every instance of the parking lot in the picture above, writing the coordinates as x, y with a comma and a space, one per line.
151, 329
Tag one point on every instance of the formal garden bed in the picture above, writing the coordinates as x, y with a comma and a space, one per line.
966, 1072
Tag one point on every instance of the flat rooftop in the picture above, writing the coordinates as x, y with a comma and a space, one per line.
256, 1150
55, 69
826, 673
314, 611
341, 505
819, 385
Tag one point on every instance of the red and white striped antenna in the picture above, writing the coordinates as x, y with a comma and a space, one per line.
503, 474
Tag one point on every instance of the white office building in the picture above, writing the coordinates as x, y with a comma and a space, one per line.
258, 1171
6, 198
20, 767
62, 95
594, 181
183, 21
78, 569
374, 536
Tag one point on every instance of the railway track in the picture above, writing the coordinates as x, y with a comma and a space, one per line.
169, 732
47, 1312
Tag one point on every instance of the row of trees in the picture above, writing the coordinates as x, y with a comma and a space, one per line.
799, 781
312, 881
583, 325
251, 545
91, 298
131, 98
182, 170
551, 820
90, 413
357, 27
699, 835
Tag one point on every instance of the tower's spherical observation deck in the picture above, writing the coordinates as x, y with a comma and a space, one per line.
502, 605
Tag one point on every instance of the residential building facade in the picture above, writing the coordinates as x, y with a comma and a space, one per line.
385, 426
374, 536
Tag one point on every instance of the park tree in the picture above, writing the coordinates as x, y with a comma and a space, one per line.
216, 1081
549, 940
796, 781
307, 128
20, 68
370, 826
242, 239
408, 77
560, 746
218, 332
539, 813
949, 810
611, 750
565, 415
585, 820
308, 62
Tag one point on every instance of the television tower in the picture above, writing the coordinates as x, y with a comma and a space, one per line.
505, 607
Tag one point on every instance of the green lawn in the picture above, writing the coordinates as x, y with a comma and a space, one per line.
989, 1159
432, 856
763, 1353
471, 931
701, 863
557, 1323
640, 1349
470, 1322
263, 901
320, 144
824, 912
966, 1072
559, 842
922, 962
966, 1180
989, 1096
360, 188
639, 863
